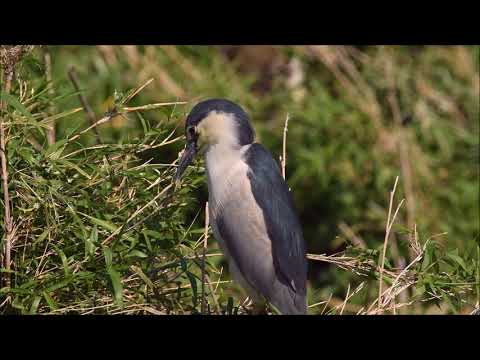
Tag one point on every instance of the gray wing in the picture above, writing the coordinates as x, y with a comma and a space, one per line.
275, 265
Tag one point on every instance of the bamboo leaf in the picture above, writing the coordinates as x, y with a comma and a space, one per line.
51, 303
13, 101
61, 115
117, 286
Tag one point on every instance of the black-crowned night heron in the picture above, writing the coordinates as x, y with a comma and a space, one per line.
251, 209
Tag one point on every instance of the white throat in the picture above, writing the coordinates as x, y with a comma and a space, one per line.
220, 157
224, 165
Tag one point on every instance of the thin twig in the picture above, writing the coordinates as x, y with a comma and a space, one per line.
153, 106
350, 234
134, 215
72, 74
8, 221
107, 117
51, 136
316, 304
336, 303
326, 304
385, 241
219, 278
111, 114
283, 158
137, 90
346, 299
214, 296
205, 244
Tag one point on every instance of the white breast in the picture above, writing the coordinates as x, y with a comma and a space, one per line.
225, 171
227, 179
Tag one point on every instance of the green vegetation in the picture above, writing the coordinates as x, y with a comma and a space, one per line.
91, 144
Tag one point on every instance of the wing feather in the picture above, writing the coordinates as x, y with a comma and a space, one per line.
264, 235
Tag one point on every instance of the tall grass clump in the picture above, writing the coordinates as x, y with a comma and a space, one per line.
93, 228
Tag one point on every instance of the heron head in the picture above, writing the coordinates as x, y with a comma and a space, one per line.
211, 122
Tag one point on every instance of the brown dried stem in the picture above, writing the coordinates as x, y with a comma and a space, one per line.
8, 221
51, 136
205, 244
72, 74
387, 234
283, 158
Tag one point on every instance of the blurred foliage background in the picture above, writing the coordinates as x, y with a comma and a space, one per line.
359, 117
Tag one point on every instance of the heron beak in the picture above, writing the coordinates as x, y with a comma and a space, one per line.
187, 157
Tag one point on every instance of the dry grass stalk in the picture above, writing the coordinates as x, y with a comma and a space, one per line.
109, 116
8, 221
402, 281
350, 263
402, 278
51, 136
283, 158
205, 244
152, 106
387, 234
214, 295
346, 299
326, 304
137, 90
342, 305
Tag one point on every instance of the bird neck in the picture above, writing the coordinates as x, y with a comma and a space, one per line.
221, 157
221, 152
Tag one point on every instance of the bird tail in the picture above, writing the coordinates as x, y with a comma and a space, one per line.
288, 302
